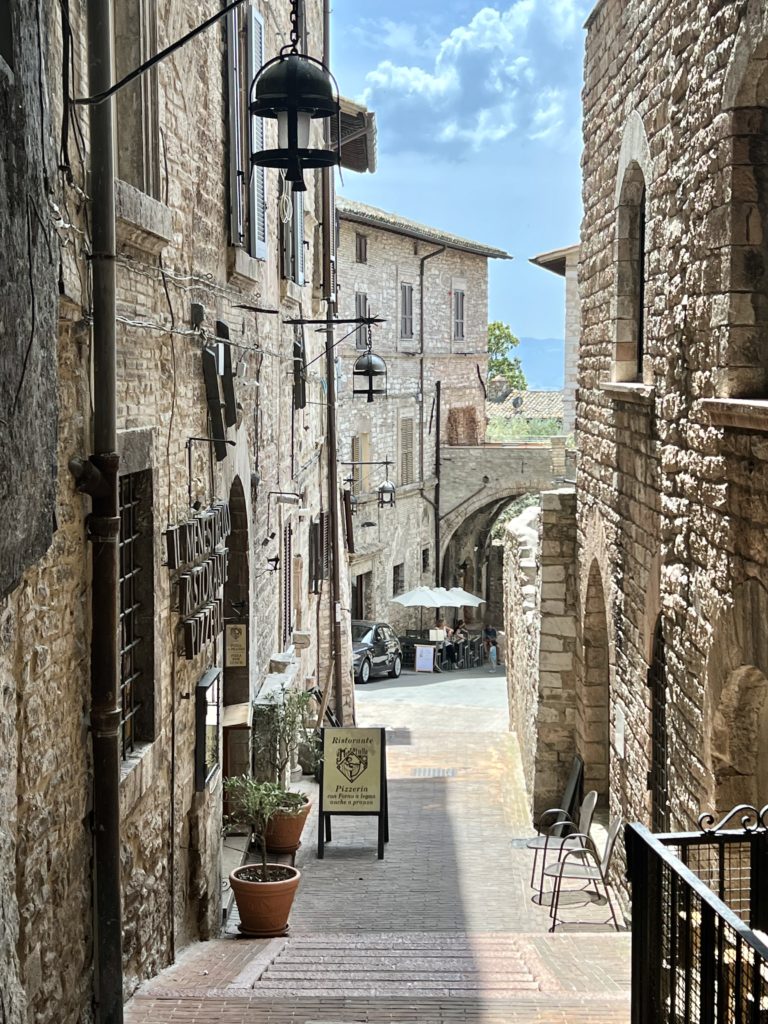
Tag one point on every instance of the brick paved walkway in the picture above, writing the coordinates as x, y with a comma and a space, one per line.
442, 930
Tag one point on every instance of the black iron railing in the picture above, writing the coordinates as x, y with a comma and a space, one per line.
699, 917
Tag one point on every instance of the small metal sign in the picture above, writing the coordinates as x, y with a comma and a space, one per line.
353, 780
236, 646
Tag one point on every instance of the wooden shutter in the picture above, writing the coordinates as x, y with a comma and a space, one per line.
287, 586
357, 475
330, 286
257, 197
298, 237
325, 543
406, 451
235, 99
361, 309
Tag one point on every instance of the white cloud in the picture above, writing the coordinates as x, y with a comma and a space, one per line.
504, 71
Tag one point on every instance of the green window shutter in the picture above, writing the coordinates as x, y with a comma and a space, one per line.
257, 198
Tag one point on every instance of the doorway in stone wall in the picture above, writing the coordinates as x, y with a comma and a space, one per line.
361, 594
237, 620
739, 744
659, 775
593, 705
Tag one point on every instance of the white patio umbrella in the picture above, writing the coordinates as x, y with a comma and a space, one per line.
447, 598
466, 599
419, 597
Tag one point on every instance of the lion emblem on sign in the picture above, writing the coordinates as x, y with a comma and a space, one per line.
351, 763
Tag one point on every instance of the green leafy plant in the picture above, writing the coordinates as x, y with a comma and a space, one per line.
501, 341
280, 722
253, 804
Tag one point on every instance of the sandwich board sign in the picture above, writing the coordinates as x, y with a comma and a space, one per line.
353, 780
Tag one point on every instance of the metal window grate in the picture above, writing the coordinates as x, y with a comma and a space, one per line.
130, 640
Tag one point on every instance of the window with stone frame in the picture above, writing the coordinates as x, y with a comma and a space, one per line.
630, 314
425, 559
292, 247
361, 309
458, 314
247, 184
406, 450
136, 583
398, 579
361, 247
137, 127
406, 310
360, 472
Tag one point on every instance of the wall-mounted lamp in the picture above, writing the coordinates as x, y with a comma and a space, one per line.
369, 376
294, 89
386, 493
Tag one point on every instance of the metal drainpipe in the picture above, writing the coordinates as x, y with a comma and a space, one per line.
105, 530
422, 261
329, 225
437, 484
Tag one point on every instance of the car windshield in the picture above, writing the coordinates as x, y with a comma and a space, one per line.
362, 633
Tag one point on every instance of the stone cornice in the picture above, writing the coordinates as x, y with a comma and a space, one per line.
737, 413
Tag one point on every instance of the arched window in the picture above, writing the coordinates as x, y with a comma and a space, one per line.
630, 265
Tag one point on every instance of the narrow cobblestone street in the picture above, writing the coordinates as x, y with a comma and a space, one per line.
443, 930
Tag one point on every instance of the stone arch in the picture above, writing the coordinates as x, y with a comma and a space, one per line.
237, 589
743, 223
736, 705
593, 693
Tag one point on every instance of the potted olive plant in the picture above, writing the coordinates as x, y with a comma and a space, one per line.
279, 722
264, 892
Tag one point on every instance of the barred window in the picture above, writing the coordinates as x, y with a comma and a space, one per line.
136, 611
406, 450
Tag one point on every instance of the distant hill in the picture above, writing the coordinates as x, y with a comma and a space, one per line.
542, 360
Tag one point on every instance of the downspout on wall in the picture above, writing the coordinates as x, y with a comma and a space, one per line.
104, 525
329, 225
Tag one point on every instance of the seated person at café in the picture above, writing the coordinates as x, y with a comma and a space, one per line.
460, 636
448, 646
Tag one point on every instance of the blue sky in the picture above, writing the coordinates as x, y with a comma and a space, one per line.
478, 113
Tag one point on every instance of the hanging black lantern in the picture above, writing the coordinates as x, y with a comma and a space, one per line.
386, 494
369, 370
294, 88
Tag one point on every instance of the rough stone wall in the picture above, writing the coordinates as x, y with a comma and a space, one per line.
28, 277
521, 628
401, 534
540, 580
572, 336
671, 479
172, 251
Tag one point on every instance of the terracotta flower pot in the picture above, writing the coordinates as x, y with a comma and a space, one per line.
264, 907
284, 830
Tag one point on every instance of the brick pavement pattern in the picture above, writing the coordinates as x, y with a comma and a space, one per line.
441, 931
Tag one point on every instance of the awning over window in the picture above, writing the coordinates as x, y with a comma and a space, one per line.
358, 136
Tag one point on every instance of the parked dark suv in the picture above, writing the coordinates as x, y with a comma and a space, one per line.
375, 650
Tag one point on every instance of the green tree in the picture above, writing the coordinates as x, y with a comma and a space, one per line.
501, 341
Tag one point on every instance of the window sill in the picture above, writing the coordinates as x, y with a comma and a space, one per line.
141, 221
737, 413
291, 290
136, 776
629, 391
242, 269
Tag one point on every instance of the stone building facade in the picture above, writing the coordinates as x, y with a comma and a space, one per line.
198, 248
565, 263
431, 288
672, 567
